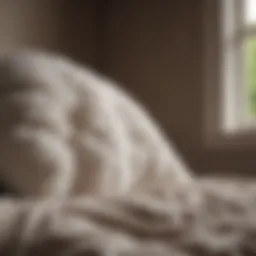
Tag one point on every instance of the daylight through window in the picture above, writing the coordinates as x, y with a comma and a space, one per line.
239, 63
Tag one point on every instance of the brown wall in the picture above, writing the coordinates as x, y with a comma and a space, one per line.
154, 47
157, 49
61, 25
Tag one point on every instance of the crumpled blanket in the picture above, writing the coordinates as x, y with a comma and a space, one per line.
223, 224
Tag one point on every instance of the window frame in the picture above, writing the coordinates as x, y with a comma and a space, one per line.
218, 97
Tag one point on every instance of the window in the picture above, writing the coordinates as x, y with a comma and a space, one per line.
231, 70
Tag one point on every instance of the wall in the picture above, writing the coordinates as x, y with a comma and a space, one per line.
58, 25
156, 48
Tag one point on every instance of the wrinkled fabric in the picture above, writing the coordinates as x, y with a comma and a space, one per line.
224, 224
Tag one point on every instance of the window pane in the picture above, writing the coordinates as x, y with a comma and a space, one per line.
250, 11
250, 77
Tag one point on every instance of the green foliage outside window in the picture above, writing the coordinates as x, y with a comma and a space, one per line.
250, 76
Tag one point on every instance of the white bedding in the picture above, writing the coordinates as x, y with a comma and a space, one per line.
225, 224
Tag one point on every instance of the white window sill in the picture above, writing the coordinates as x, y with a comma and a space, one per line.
244, 137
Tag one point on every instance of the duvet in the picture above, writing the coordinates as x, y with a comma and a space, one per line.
223, 224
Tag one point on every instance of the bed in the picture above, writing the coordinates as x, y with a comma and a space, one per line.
224, 224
